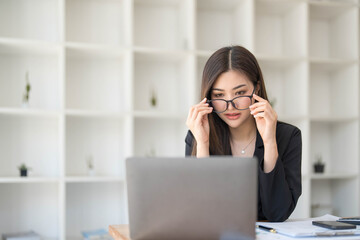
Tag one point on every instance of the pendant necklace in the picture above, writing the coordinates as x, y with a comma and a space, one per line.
243, 150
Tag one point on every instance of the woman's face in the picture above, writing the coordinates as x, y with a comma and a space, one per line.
228, 86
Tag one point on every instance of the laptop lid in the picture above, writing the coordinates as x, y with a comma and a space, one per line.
192, 198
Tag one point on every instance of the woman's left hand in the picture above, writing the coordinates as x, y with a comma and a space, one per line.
266, 119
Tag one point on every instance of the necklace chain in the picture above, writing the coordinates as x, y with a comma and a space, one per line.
243, 150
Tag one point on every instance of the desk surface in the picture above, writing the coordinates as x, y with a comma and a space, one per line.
121, 232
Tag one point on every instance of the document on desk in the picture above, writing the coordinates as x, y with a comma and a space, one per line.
304, 228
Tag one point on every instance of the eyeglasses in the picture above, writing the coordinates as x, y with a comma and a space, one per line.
239, 103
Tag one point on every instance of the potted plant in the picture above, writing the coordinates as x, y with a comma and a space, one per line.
26, 94
90, 165
153, 99
319, 165
23, 170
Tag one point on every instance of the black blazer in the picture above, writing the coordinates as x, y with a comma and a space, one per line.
278, 190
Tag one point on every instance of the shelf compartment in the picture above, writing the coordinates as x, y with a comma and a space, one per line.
200, 64
304, 126
94, 114
91, 206
94, 21
24, 46
302, 209
95, 50
95, 81
29, 179
332, 197
164, 78
334, 90
42, 65
29, 112
34, 206
333, 176
280, 28
218, 24
30, 140
159, 137
37, 19
337, 143
93, 179
158, 115
332, 31
98, 139
287, 85
161, 24
342, 3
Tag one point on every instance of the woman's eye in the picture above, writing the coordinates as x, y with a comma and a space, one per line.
218, 95
240, 93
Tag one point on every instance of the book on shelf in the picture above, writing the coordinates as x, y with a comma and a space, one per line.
29, 235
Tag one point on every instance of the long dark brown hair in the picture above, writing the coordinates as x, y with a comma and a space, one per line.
225, 59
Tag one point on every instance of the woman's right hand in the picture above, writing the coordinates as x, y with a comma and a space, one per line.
198, 122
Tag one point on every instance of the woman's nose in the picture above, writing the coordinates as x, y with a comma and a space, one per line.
230, 106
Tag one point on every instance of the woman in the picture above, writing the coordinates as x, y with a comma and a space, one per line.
235, 118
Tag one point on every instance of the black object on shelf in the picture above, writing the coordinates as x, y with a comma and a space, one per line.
23, 172
319, 167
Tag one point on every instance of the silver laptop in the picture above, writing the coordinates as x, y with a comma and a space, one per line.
192, 198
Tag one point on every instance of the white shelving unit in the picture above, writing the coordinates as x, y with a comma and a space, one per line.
94, 67
280, 28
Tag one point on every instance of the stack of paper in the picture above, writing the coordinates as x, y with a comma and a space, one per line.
304, 228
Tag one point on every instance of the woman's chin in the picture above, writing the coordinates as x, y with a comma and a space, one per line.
233, 123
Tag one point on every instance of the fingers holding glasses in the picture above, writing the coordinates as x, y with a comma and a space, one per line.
262, 108
265, 117
197, 120
192, 111
202, 116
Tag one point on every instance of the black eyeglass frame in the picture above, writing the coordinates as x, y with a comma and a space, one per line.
232, 102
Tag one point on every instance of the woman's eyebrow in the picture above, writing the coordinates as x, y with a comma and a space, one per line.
218, 89
241, 85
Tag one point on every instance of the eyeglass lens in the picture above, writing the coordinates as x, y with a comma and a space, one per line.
240, 103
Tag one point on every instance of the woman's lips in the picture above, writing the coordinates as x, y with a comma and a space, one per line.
232, 116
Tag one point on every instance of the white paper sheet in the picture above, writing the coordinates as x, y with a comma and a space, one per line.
303, 228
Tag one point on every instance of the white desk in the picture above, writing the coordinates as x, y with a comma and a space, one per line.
121, 232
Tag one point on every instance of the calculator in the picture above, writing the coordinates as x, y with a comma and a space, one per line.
350, 220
